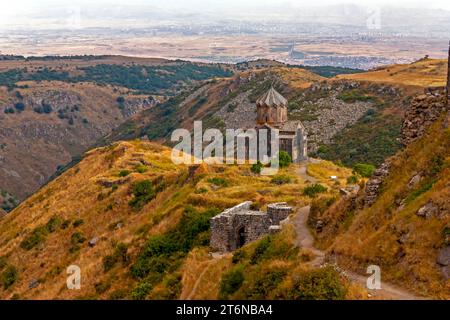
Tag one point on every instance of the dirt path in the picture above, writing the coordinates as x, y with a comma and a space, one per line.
302, 173
306, 240
191, 294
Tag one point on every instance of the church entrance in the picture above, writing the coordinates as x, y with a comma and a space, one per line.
241, 237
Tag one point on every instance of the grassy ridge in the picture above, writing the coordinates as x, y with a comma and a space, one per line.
145, 79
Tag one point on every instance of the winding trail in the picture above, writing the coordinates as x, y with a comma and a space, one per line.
197, 282
306, 240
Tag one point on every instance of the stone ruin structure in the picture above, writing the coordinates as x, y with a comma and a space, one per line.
424, 110
240, 225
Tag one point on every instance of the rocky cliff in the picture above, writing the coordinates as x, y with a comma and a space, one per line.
423, 111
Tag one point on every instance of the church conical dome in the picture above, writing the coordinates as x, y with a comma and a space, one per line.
272, 98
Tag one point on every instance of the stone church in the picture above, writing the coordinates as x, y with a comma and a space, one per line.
271, 109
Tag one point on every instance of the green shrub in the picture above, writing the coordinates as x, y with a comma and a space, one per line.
238, 256
231, 282
261, 248
124, 173
220, 182
8, 277
319, 284
284, 159
163, 252
371, 139
143, 193
141, 168
77, 238
364, 169
201, 190
355, 95
313, 190
424, 187
65, 224
36, 237
77, 223
256, 167
352, 179
281, 179
120, 100
53, 224
141, 291
264, 284
120, 254
172, 287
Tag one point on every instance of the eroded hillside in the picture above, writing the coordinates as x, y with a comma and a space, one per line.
134, 222
406, 229
54, 108
42, 129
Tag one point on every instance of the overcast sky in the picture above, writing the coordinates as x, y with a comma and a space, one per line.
25, 12
18, 6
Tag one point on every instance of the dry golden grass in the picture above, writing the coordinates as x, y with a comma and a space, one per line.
81, 193
423, 73
374, 233
298, 78
202, 274
324, 170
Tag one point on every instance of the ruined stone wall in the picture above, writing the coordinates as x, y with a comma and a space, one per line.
240, 225
256, 225
373, 186
225, 229
221, 233
424, 110
278, 212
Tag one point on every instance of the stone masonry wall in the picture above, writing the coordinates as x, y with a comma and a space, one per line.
278, 212
220, 233
424, 110
255, 224
240, 225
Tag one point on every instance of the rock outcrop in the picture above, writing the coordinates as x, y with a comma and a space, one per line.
424, 110
373, 186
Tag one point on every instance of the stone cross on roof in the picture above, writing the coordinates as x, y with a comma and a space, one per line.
272, 99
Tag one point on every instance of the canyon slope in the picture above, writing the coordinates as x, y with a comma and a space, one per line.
52, 109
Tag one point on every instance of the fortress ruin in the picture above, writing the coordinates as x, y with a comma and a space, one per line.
240, 225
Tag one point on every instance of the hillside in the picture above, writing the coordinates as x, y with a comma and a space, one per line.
422, 73
80, 102
109, 213
230, 103
347, 120
54, 108
405, 231
42, 128
377, 134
